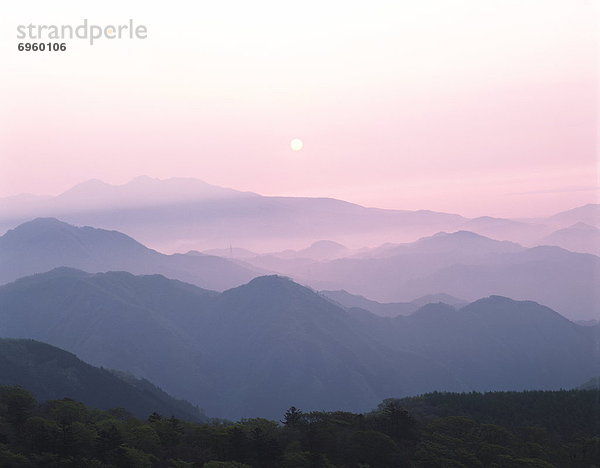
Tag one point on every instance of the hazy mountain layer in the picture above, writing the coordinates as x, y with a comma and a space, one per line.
259, 348
579, 237
461, 264
388, 309
464, 265
182, 214
46, 243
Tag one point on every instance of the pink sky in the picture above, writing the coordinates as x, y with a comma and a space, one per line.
480, 108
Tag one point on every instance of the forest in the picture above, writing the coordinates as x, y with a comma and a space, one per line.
495, 429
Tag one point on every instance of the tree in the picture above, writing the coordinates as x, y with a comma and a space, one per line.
396, 421
292, 417
16, 405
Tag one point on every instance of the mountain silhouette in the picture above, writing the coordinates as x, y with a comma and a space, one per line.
579, 237
46, 243
464, 265
182, 214
256, 349
52, 374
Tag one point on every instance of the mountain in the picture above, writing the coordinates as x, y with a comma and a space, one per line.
496, 343
115, 320
142, 190
347, 300
377, 273
459, 244
46, 243
441, 297
587, 214
527, 233
246, 352
579, 237
182, 214
389, 309
277, 341
52, 374
319, 250
256, 349
464, 265
232, 252
563, 280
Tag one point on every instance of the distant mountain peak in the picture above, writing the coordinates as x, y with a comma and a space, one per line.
324, 249
38, 226
433, 310
496, 299
515, 313
43, 222
60, 272
439, 297
584, 226
271, 280
275, 293
41, 227
496, 302
589, 213
460, 234
464, 238
90, 184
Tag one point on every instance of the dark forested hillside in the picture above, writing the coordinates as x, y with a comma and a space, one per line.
531, 429
51, 373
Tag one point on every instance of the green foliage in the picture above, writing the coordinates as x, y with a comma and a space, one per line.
16, 405
229, 464
497, 430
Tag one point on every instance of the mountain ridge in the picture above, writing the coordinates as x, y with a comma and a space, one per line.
255, 349
46, 243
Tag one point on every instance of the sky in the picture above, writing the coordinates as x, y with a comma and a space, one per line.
471, 107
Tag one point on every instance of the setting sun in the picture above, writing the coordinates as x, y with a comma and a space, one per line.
296, 144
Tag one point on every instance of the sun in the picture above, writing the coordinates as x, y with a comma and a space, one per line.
296, 144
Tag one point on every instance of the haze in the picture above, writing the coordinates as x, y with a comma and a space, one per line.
478, 108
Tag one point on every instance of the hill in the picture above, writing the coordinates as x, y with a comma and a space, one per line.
588, 214
579, 237
46, 243
52, 374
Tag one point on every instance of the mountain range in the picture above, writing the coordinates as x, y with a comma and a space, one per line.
461, 264
256, 349
388, 309
46, 243
182, 214
436, 302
